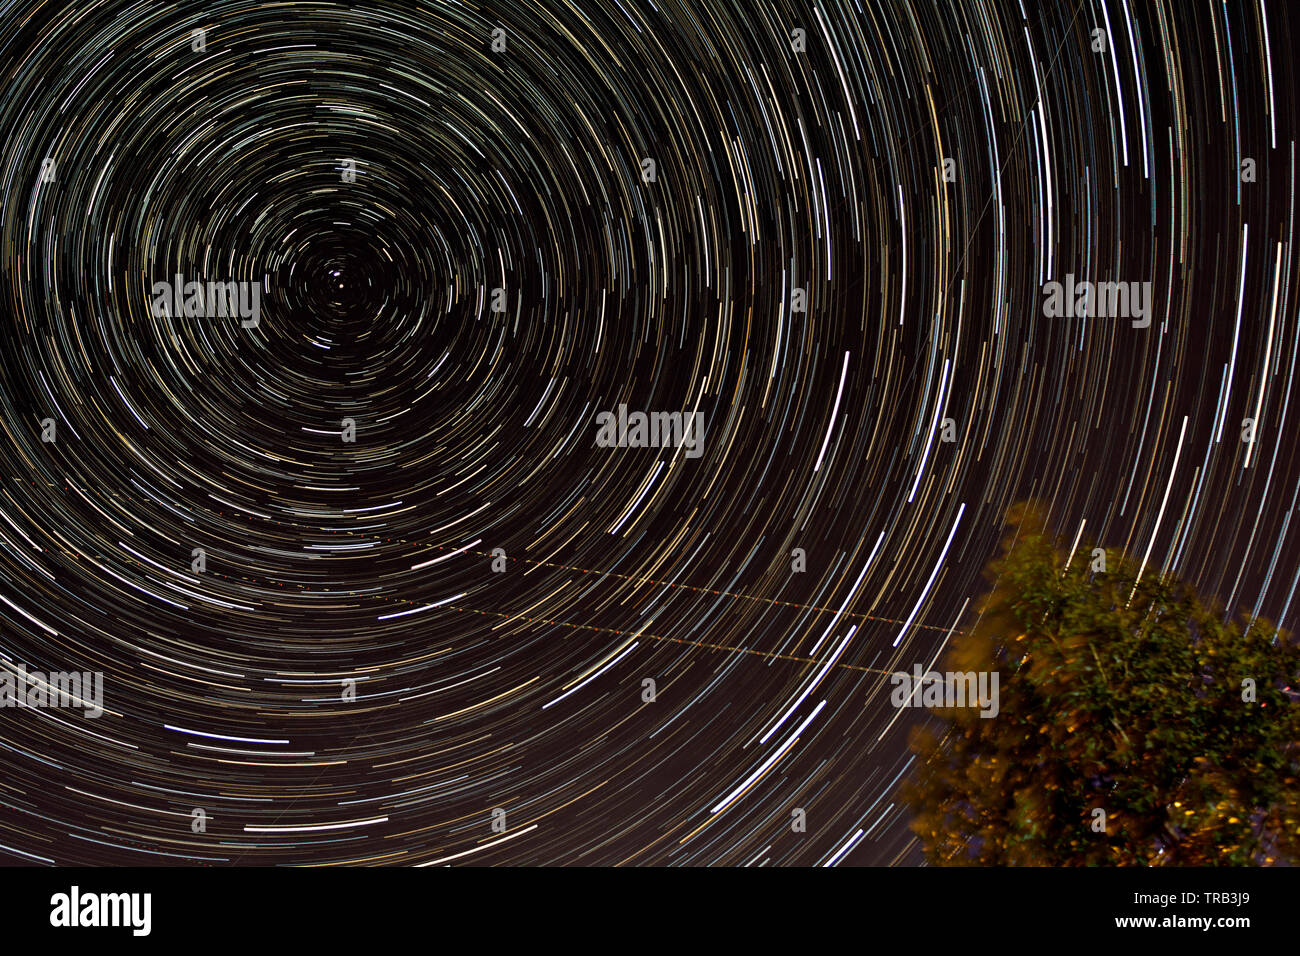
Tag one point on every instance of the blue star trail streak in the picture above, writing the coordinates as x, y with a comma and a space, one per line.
363, 586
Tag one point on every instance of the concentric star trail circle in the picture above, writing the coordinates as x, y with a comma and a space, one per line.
429, 601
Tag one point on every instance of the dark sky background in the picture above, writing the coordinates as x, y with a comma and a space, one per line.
775, 169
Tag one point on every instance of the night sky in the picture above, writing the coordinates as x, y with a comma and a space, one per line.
860, 324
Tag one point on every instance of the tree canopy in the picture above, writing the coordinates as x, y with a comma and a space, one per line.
1136, 725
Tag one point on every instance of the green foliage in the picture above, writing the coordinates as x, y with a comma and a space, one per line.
1120, 694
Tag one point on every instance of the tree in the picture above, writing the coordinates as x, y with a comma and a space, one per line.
1121, 693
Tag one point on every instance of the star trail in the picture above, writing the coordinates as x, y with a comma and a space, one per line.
364, 579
